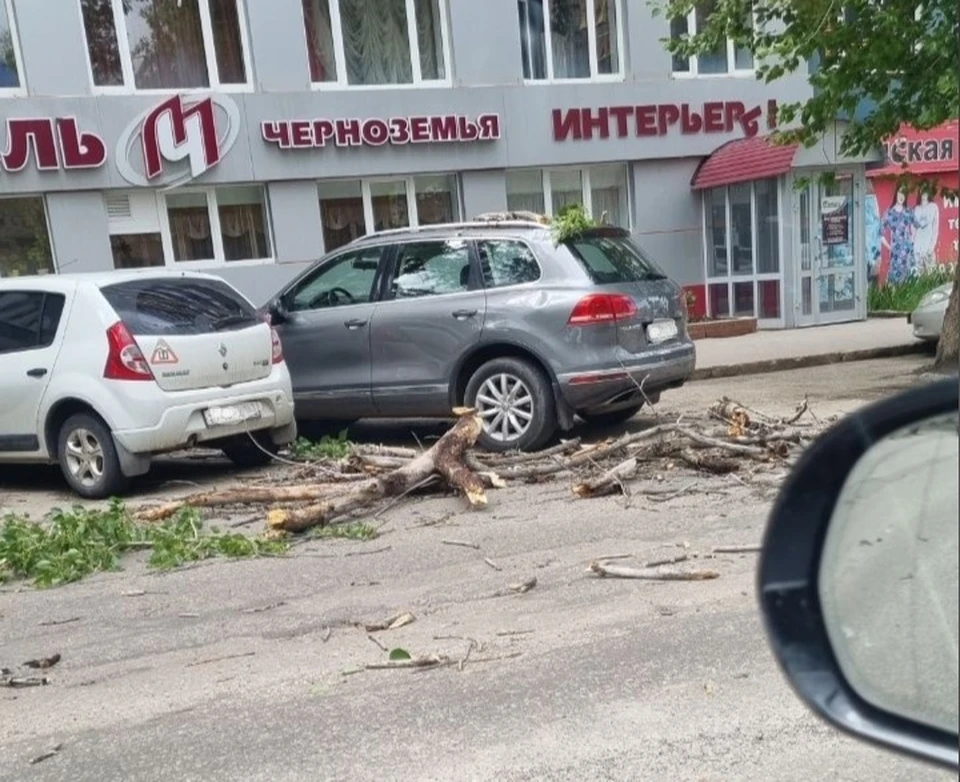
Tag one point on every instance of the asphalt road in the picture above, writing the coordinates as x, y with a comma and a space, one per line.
241, 671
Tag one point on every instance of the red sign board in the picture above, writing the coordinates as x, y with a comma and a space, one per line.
377, 131
658, 119
54, 143
922, 152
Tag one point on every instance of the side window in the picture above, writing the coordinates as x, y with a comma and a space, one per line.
22, 322
506, 262
432, 269
345, 280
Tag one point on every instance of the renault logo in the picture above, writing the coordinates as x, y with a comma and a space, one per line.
222, 350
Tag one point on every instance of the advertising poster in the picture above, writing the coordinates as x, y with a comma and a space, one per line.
835, 220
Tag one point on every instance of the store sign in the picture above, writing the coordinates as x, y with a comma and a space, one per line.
835, 220
177, 141
377, 131
659, 119
911, 148
54, 144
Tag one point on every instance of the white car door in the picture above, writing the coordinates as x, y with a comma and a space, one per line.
29, 326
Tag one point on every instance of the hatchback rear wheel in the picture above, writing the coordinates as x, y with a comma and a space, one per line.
88, 458
515, 402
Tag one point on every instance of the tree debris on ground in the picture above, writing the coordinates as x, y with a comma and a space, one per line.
729, 438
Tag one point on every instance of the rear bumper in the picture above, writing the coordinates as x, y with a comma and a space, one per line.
927, 323
620, 385
182, 425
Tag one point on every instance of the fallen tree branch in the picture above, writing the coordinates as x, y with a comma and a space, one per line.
605, 569
238, 495
608, 483
737, 549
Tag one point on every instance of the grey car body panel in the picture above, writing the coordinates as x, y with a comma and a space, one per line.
416, 349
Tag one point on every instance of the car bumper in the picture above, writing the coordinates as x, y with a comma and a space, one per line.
620, 386
183, 425
927, 322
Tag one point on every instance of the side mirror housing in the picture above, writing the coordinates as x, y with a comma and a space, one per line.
279, 313
858, 576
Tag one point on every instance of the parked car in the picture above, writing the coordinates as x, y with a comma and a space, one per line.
927, 318
98, 372
489, 314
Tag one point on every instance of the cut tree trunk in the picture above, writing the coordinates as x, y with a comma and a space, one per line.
446, 457
948, 348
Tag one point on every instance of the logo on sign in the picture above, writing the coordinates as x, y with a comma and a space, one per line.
163, 354
177, 141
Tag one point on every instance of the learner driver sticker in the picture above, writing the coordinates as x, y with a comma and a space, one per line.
163, 354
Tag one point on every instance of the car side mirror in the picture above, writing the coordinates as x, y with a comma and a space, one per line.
279, 313
858, 575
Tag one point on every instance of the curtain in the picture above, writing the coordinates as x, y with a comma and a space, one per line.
225, 22
375, 41
244, 236
342, 220
430, 39
568, 27
190, 232
608, 199
390, 211
166, 44
316, 18
102, 47
525, 202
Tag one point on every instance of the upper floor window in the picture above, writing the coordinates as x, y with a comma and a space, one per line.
570, 39
728, 58
11, 80
363, 43
166, 44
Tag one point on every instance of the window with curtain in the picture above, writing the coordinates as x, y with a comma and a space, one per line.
10, 68
24, 237
164, 44
727, 58
381, 41
525, 191
342, 215
190, 231
601, 190
243, 223
556, 36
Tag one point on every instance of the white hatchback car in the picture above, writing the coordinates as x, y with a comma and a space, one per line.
98, 372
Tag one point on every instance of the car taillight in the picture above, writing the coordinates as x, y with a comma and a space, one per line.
602, 308
275, 342
125, 360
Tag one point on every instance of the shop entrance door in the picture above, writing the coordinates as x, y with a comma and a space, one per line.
829, 281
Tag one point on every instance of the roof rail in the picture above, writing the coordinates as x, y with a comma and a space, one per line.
469, 224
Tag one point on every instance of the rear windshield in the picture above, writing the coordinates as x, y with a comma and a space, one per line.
612, 259
179, 306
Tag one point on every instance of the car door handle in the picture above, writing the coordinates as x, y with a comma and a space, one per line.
38, 372
354, 324
464, 314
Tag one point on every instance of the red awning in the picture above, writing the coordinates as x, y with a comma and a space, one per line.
910, 151
744, 160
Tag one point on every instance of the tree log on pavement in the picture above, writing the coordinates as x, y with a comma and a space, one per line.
446, 457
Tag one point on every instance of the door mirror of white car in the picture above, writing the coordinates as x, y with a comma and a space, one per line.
859, 574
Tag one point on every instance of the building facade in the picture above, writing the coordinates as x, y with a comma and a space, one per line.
249, 137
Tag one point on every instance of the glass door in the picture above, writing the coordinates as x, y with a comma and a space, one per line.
828, 279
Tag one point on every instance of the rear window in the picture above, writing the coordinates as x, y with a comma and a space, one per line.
179, 306
612, 259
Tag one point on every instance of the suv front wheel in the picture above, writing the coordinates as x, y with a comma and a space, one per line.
516, 404
88, 457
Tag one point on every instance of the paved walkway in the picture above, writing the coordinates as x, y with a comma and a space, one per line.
766, 351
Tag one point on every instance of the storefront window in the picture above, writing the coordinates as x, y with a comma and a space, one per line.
190, 231
164, 44
742, 223
243, 223
398, 42
556, 38
601, 190
136, 251
10, 81
352, 208
24, 238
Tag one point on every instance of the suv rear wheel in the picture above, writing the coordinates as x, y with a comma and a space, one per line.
516, 404
88, 457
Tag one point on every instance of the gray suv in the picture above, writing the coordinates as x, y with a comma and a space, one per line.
489, 314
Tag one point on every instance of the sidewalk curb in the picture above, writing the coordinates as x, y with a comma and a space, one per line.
801, 362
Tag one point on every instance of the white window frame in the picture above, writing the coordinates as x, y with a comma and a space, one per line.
410, 191
162, 226
754, 277
213, 72
586, 186
340, 57
594, 76
694, 60
21, 91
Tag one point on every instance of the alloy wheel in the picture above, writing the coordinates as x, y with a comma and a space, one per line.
505, 406
84, 457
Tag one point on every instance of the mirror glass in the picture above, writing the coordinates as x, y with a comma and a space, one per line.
888, 578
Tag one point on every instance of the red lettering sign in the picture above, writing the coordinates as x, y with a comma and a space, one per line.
376, 131
54, 144
657, 119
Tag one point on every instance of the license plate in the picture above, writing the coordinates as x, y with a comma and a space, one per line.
661, 331
230, 415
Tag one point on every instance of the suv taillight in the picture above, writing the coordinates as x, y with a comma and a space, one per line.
125, 360
602, 308
275, 342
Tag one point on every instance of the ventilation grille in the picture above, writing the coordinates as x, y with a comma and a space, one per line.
118, 207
